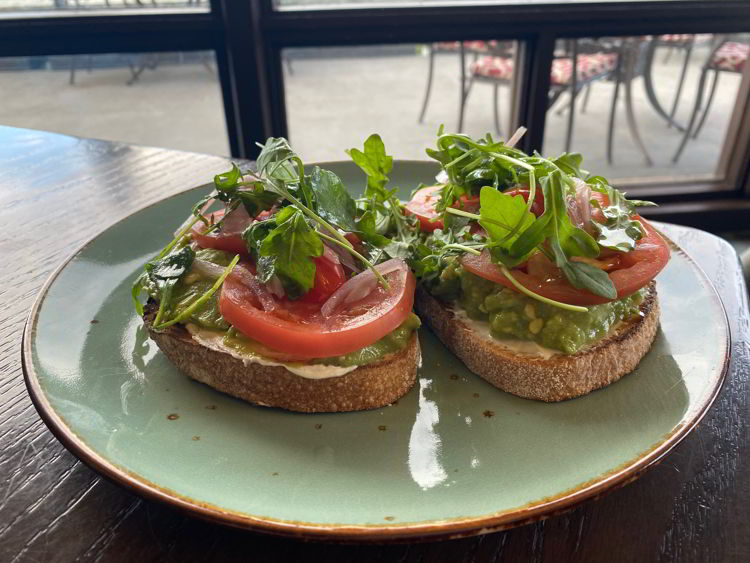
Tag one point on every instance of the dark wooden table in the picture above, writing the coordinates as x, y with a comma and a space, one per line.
56, 192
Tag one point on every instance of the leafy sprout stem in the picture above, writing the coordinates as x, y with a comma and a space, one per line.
463, 247
538, 297
160, 312
473, 144
177, 238
201, 300
317, 218
357, 255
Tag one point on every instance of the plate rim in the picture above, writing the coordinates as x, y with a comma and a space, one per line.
429, 530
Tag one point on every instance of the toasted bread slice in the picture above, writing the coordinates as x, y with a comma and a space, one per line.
558, 377
367, 387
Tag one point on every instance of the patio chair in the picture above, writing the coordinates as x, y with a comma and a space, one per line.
679, 42
728, 54
571, 71
474, 48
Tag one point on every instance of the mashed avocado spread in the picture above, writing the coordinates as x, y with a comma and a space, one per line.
191, 286
514, 316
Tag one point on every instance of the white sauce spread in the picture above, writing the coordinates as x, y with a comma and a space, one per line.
215, 341
523, 347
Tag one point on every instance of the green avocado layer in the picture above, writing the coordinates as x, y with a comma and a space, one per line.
394, 341
191, 287
512, 315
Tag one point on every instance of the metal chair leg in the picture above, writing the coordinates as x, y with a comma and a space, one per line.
678, 93
464, 90
708, 104
72, 78
586, 97
612, 113
632, 124
429, 84
495, 108
573, 90
696, 108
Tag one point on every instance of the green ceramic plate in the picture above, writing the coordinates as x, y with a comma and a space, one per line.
454, 457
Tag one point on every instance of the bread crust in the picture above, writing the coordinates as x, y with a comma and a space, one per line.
367, 387
551, 379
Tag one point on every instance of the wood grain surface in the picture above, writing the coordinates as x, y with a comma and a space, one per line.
56, 192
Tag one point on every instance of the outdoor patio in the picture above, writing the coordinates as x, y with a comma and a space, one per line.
336, 97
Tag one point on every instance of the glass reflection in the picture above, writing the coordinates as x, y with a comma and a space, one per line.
424, 443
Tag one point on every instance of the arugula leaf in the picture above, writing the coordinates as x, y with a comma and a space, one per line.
586, 276
531, 238
159, 278
334, 204
501, 213
619, 231
228, 180
570, 163
284, 168
255, 234
289, 249
565, 239
367, 230
257, 199
376, 164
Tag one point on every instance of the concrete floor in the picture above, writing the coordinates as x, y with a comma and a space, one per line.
335, 102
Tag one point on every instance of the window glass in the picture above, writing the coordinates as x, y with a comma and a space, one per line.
336, 97
87, 5
161, 99
636, 96
332, 4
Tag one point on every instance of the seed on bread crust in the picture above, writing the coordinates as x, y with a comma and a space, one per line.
551, 379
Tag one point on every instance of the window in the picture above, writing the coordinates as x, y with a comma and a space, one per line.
160, 99
257, 42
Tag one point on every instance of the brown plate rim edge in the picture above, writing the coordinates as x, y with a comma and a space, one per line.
420, 531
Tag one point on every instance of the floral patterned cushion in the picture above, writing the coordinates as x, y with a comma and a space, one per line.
731, 56
685, 37
589, 66
475, 46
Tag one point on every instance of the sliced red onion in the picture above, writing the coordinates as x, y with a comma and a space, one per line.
330, 255
515, 137
237, 221
207, 269
583, 198
579, 205
360, 286
252, 283
275, 286
344, 258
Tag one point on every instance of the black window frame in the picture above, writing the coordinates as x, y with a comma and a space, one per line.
248, 37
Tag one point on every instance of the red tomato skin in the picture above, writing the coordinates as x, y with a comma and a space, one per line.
298, 331
329, 277
636, 269
232, 242
537, 207
422, 206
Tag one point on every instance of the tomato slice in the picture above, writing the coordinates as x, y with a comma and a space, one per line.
298, 330
229, 240
422, 206
537, 207
329, 276
634, 270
